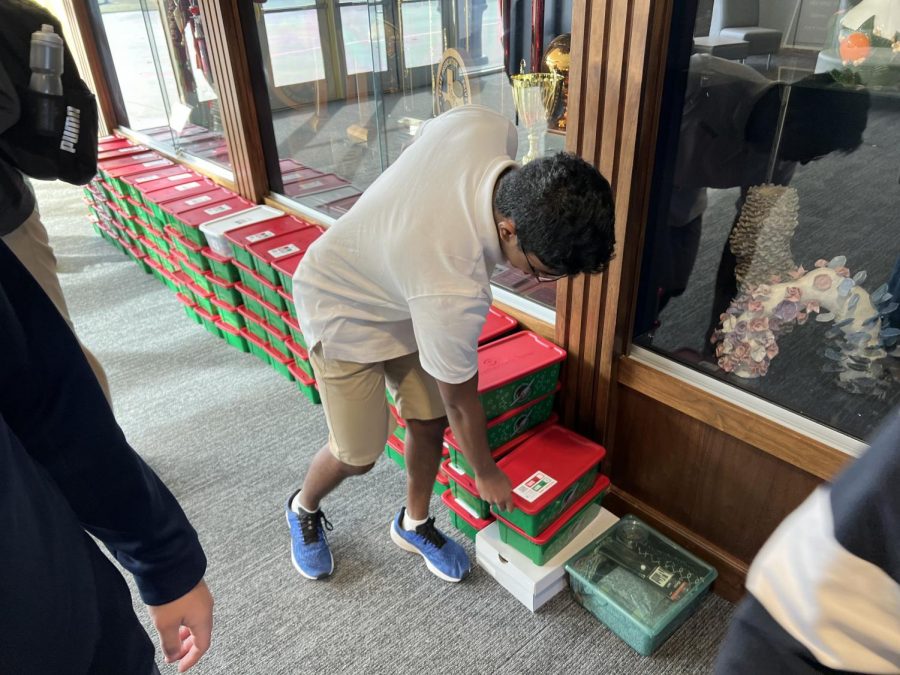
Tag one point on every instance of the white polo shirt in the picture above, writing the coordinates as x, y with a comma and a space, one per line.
408, 268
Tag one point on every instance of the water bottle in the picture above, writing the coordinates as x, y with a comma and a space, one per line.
45, 107
46, 62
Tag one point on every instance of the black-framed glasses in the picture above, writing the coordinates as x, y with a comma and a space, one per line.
540, 277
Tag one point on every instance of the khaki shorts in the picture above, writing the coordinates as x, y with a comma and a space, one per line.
359, 420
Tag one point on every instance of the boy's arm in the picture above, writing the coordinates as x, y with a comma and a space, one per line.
467, 420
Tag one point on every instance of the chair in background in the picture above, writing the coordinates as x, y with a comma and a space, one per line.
739, 20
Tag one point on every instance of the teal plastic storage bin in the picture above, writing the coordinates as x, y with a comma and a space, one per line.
639, 583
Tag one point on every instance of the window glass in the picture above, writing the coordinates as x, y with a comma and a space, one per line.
772, 256
387, 66
161, 65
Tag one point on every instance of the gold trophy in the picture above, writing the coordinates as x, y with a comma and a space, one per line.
535, 95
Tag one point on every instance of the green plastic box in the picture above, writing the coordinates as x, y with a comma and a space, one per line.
253, 323
301, 357
462, 518
190, 309
639, 583
285, 269
305, 384
270, 293
251, 300
549, 471
228, 313
278, 340
558, 534
196, 274
294, 329
257, 346
191, 251
209, 321
465, 492
224, 290
248, 278
275, 317
515, 370
395, 456
222, 267
203, 298
289, 303
507, 431
233, 336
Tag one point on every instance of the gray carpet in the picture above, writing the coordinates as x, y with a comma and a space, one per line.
231, 439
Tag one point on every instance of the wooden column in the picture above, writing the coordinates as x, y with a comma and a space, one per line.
618, 52
228, 57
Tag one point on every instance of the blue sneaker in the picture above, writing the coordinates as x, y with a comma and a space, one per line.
309, 546
443, 557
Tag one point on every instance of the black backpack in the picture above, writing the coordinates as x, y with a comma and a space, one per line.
54, 137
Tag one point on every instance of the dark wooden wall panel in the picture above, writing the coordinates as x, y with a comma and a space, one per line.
718, 487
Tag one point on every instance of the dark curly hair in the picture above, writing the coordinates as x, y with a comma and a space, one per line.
563, 211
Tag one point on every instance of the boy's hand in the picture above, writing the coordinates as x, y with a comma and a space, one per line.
185, 626
495, 488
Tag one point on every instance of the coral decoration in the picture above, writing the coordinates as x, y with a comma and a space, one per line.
855, 48
746, 343
761, 239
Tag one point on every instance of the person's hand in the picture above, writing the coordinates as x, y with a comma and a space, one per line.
495, 488
185, 626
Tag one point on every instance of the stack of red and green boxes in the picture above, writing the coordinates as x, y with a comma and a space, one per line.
263, 257
157, 212
518, 377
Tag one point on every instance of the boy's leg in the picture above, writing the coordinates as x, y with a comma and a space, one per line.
419, 403
325, 473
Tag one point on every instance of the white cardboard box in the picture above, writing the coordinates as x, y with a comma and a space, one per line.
534, 585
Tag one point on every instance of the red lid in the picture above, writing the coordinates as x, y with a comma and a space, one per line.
276, 355
196, 270
464, 513
183, 299
184, 242
139, 179
224, 306
600, 486
274, 332
289, 264
559, 455
296, 349
396, 413
180, 190
196, 290
231, 204
515, 356
243, 290
183, 176
213, 279
288, 319
267, 229
250, 337
122, 151
396, 444
203, 200
262, 281
301, 376
507, 447
143, 167
117, 162
209, 254
181, 278
288, 245
250, 315
289, 165
442, 477
227, 327
112, 143
204, 314
464, 481
496, 325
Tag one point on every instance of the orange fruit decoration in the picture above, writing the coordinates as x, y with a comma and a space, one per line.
855, 48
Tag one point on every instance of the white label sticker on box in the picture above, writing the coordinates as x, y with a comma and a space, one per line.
144, 179
179, 176
282, 251
661, 577
197, 200
187, 186
534, 486
159, 162
260, 236
221, 208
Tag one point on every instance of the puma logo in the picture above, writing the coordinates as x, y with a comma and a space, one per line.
72, 129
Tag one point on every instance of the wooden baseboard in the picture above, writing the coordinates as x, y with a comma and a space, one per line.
732, 571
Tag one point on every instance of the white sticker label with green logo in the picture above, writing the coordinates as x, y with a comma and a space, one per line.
533, 487
187, 186
282, 251
197, 200
260, 236
221, 208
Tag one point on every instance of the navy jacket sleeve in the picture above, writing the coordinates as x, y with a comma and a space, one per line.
53, 403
